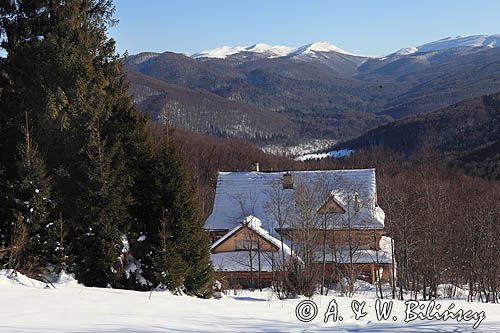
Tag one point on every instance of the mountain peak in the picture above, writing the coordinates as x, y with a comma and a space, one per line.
312, 49
407, 51
226, 51
461, 41
220, 52
272, 51
468, 41
320, 47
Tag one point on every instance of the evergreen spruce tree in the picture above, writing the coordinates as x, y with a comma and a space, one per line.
63, 71
32, 196
61, 259
169, 267
108, 181
5, 217
145, 211
104, 219
184, 226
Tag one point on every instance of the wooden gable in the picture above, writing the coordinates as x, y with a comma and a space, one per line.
331, 205
245, 235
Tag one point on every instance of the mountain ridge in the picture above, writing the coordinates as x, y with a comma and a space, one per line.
323, 94
324, 46
466, 133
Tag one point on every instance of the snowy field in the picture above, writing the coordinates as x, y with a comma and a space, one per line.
27, 306
300, 149
330, 154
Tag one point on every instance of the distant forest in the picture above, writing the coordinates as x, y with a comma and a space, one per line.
466, 134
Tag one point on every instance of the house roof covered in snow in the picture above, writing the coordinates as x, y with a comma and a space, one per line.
260, 194
240, 260
255, 225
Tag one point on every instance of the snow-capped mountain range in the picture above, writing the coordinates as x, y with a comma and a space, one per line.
275, 51
272, 51
490, 41
225, 51
317, 91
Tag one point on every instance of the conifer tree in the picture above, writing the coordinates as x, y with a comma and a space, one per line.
173, 248
145, 210
169, 267
104, 219
5, 217
184, 226
18, 241
32, 196
4, 211
61, 247
63, 71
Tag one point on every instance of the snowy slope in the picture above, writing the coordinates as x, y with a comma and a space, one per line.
271, 51
220, 52
223, 52
145, 56
312, 49
31, 309
454, 42
320, 156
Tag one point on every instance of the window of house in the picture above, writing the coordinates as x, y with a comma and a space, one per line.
364, 275
245, 244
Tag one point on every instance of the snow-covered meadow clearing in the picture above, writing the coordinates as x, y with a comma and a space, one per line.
27, 306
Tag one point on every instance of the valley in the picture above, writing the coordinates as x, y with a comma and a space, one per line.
279, 95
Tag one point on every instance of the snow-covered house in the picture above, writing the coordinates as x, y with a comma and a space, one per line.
249, 252
270, 212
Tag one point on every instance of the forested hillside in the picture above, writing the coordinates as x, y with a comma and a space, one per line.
323, 92
467, 134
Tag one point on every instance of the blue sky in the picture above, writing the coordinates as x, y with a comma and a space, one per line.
371, 27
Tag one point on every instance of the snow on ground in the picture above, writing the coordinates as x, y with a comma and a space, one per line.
28, 307
330, 154
299, 149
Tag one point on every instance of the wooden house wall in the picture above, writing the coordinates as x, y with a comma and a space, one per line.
360, 238
244, 233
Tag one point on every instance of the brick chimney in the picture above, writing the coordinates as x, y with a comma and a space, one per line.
287, 181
